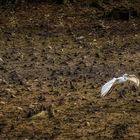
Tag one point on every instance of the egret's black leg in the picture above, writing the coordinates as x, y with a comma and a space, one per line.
122, 94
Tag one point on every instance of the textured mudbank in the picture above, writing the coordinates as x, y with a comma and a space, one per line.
55, 59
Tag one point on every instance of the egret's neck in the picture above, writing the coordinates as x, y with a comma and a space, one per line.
125, 77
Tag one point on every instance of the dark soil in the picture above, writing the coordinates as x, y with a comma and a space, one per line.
54, 60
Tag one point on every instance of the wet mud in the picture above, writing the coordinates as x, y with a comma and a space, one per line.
54, 60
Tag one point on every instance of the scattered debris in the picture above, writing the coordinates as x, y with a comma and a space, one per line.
1, 60
40, 115
138, 100
20, 108
2, 102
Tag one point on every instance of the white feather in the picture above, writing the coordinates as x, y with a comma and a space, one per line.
105, 88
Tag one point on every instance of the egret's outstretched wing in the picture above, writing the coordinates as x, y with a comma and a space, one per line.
134, 79
105, 88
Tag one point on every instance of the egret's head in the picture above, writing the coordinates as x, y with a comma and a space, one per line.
125, 76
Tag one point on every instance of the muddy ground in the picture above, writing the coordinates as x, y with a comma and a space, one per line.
54, 60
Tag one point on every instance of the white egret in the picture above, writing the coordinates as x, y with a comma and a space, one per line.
107, 87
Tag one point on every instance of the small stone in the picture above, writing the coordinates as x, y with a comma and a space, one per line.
13, 96
42, 114
31, 106
83, 97
88, 124
138, 100
75, 103
20, 108
2, 103
50, 47
80, 37
1, 60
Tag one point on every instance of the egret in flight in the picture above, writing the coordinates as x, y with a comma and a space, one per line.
107, 86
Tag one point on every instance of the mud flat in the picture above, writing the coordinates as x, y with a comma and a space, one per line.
53, 63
